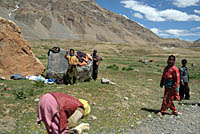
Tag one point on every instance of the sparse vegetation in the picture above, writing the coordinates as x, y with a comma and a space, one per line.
129, 68
38, 84
23, 93
113, 67
137, 82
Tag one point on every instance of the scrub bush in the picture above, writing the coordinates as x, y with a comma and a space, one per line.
113, 67
23, 93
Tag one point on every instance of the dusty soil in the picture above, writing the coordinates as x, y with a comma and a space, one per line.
186, 123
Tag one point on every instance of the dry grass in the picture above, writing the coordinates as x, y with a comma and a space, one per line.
115, 113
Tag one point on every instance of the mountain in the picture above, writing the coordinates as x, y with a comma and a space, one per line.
79, 20
196, 43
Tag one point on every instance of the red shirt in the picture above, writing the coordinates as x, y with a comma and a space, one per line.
171, 73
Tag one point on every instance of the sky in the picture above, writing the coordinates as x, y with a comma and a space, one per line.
166, 18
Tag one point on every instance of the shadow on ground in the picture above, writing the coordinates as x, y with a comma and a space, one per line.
189, 103
155, 111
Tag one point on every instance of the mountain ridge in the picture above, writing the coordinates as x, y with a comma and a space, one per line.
79, 20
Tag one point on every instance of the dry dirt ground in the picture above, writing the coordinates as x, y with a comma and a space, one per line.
188, 122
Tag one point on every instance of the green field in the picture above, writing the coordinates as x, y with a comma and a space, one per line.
117, 107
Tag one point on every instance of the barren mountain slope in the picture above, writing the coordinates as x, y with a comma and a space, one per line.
196, 43
76, 19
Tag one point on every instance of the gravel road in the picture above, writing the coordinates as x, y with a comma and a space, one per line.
186, 123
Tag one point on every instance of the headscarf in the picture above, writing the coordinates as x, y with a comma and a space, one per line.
86, 106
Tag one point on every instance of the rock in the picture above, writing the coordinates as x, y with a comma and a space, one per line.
94, 103
126, 98
7, 111
93, 117
2, 78
178, 117
85, 72
149, 116
79, 129
36, 100
57, 63
139, 122
136, 70
2, 84
105, 81
16, 54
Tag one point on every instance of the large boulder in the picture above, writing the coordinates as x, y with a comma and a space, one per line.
85, 72
57, 63
58, 66
16, 56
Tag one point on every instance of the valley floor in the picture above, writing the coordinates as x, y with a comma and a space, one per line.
186, 123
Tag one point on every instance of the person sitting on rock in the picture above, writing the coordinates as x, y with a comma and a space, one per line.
61, 112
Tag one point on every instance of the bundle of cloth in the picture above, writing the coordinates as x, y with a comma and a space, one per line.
83, 58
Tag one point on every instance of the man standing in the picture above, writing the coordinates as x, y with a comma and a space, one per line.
71, 75
96, 58
184, 88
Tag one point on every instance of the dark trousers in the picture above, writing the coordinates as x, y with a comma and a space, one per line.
71, 75
95, 72
184, 91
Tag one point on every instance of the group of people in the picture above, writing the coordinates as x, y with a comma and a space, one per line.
73, 61
61, 112
176, 86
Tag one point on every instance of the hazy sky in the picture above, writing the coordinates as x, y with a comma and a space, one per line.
166, 18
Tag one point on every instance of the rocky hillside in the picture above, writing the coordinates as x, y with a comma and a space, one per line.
16, 56
196, 43
76, 19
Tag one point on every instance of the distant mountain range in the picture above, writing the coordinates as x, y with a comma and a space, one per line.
78, 20
196, 43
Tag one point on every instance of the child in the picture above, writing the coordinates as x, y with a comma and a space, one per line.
184, 88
